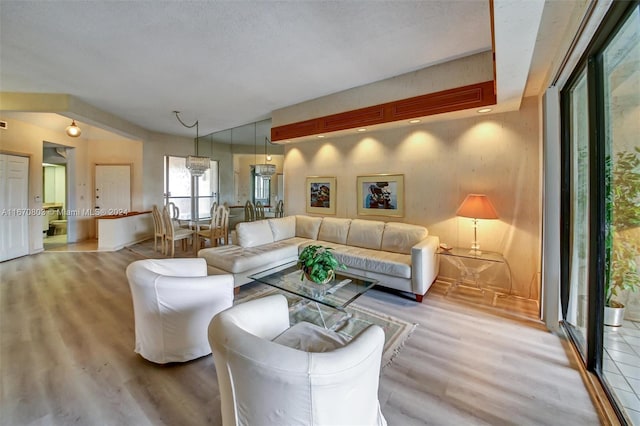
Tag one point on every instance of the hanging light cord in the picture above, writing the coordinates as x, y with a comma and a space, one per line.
190, 127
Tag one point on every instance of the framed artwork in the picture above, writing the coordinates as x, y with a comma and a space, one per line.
321, 195
381, 195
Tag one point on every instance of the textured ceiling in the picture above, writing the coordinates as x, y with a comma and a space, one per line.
224, 63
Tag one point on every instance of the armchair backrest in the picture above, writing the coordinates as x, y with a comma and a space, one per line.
173, 303
264, 382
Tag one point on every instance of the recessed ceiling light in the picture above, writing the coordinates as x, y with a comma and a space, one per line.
362, 130
321, 136
414, 121
483, 110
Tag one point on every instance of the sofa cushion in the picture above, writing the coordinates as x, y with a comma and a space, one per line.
378, 261
365, 233
283, 227
400, 237
237, 259
251, 234
334, 230
307, 226
308, 337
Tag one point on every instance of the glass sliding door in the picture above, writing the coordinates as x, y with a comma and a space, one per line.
601, 208
621, 102
578, 259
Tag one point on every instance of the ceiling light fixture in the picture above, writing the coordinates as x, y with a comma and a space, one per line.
484, 110
73, 130
362, 130
414, 121
196, 165
265, 170
321, 136
267, 156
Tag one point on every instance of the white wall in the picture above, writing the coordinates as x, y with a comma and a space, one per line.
498, 155
22, 138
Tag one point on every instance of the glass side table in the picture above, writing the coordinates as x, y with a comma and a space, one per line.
470, 264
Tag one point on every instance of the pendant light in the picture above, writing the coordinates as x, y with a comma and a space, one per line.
195, 164
73, 130
265, 170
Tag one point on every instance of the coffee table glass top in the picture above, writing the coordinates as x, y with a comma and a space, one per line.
338, 293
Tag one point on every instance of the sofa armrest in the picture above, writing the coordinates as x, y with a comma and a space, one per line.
425, 264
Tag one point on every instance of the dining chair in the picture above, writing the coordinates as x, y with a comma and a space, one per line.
173, 234
174, 212
158, 229
249, 212
212, 211
259, 215
279, 209
219, 228
204, 231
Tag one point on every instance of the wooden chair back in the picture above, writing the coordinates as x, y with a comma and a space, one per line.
158, 228
259, 215
219, 231
171, 235
279, 209
249, 212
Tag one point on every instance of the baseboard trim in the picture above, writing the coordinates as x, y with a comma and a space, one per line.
606, 412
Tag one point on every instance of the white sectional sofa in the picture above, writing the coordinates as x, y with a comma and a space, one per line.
399, 255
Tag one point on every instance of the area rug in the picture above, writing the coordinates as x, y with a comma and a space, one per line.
396, 331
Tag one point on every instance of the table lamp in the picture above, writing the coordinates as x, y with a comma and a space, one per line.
476, 206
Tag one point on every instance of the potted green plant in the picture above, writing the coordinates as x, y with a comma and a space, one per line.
623, 214
318, 264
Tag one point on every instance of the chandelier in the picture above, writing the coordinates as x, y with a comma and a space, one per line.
265, 170
196, 165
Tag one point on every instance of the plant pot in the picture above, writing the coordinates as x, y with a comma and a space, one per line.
613, 316
329, 278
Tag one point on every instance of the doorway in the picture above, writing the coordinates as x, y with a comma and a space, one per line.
54, 196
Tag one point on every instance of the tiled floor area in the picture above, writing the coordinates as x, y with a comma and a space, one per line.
622, 366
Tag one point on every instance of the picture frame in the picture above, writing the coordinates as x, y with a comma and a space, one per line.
321, 194
380, 195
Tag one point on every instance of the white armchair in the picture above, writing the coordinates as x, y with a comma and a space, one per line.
173, 302
267, 377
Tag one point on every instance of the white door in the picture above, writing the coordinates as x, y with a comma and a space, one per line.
14, 206
113, 189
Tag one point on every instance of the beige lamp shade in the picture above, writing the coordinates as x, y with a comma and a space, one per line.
477, 206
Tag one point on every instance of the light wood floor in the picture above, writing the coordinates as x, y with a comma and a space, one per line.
66, 357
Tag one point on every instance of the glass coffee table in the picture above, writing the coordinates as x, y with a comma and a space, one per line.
336, 294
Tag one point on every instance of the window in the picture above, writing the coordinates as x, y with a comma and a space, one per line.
177, 187
261, 188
